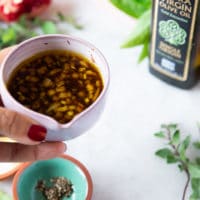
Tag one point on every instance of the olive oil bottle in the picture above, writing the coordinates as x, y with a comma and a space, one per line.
175, 41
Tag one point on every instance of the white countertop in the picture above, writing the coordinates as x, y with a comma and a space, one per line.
119, 150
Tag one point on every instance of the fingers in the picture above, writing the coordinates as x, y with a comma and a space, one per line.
16, 126
4, 52
13, 152
20, 128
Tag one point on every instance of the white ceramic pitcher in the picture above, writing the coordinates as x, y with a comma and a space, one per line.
81, 122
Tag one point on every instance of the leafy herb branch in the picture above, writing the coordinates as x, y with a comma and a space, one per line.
176, 152
24, 28
140, 36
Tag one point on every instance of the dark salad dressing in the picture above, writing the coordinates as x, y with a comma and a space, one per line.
56, 83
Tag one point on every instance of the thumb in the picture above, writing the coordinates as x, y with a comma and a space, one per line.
20, 128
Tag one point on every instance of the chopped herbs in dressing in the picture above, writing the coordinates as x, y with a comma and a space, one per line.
60, 84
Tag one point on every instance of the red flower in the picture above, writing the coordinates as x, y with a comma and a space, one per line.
11, 10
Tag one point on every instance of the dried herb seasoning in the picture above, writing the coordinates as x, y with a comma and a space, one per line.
60, 187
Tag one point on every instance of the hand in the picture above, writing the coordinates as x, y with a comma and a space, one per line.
27, 132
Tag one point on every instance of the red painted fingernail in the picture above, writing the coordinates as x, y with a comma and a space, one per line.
37, 133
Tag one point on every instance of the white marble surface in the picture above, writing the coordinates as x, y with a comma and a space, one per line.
119, 150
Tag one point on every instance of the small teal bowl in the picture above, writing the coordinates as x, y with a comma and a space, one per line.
26, 178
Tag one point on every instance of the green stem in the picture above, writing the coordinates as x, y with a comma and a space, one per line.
186, 185
184, 164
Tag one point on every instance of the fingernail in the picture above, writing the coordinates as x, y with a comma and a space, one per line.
37, 133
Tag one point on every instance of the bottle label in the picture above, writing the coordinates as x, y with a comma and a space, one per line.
172, 36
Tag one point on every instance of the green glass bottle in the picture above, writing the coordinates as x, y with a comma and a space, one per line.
175, 41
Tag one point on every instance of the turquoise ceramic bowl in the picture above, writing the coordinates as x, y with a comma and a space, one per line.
26, 179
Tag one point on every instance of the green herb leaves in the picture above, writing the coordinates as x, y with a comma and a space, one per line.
49, 27
134, 8
140, 36
16, 32
167, 154
176, 152
4, 196
25, 28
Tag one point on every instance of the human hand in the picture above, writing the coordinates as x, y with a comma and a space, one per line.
28, 134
